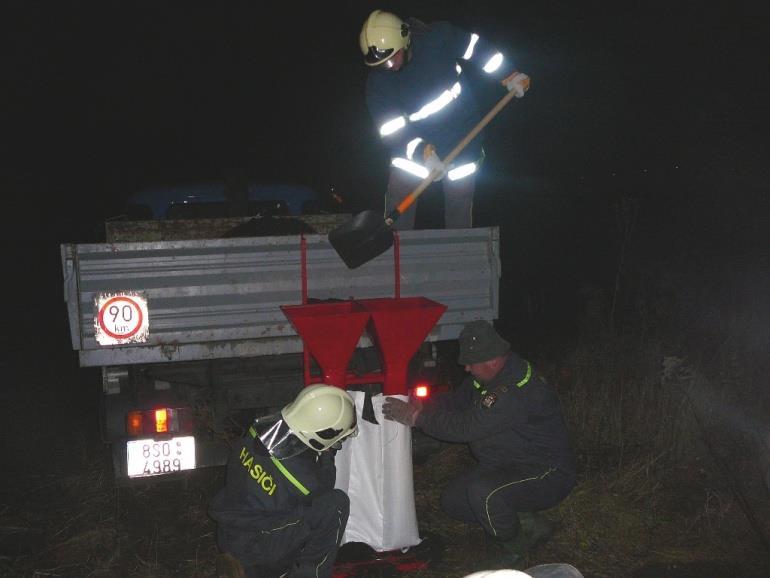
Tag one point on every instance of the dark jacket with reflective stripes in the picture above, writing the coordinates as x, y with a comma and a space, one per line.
523, 425
436, 51
259, 496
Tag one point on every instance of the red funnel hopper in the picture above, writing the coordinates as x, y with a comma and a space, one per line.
399, 327
330, 332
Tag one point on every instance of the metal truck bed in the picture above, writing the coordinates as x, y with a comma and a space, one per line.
221, 298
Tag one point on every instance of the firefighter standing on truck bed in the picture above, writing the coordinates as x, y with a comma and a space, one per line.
422, 105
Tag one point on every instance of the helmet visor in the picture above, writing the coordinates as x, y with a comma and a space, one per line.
278, 438
378, 56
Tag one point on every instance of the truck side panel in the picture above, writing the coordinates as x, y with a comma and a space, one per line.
220, 298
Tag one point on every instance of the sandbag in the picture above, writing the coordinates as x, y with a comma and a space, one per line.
375, 470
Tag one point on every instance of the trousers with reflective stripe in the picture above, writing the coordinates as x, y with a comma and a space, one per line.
304, 544
492, 497
458, 200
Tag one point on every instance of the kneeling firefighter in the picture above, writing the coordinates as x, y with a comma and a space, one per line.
279, 513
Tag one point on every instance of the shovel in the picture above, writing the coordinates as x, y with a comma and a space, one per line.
368, 235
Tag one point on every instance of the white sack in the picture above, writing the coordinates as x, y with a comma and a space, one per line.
375, 470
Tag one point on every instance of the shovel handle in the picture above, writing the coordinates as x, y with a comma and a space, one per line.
412, 197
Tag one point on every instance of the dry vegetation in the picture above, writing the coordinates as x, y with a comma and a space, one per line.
668, 486
669, 422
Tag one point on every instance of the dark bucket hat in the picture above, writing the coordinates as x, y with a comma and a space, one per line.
480, 342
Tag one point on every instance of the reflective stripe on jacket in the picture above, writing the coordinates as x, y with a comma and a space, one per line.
258, 494
524, 424
430, 101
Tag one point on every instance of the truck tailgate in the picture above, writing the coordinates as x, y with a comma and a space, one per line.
220, 298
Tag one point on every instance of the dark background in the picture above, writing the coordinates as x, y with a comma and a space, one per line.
664, 102
656, 111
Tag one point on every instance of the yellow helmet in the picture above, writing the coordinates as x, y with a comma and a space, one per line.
321, 416
382, 35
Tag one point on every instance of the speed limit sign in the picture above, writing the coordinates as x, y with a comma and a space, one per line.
121, 318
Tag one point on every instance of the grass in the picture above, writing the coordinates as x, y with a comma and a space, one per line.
672, 440
652, 495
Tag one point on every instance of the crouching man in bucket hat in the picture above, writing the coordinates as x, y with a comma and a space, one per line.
510, 417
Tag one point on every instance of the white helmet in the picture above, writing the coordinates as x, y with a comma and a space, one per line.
382, 35
321, 416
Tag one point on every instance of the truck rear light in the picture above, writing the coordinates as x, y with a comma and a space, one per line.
134, 423
159, 420
421, 391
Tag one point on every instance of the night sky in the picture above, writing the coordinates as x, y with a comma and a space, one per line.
665, 102
656, 108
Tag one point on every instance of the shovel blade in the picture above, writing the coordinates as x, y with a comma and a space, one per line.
361, 239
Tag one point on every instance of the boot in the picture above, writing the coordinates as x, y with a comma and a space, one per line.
535, 529
229, 567
511, 554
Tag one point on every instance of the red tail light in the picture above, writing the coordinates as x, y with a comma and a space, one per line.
134, 423
421, 391
159, 420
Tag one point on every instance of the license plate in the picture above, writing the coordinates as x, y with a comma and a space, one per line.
155, 458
